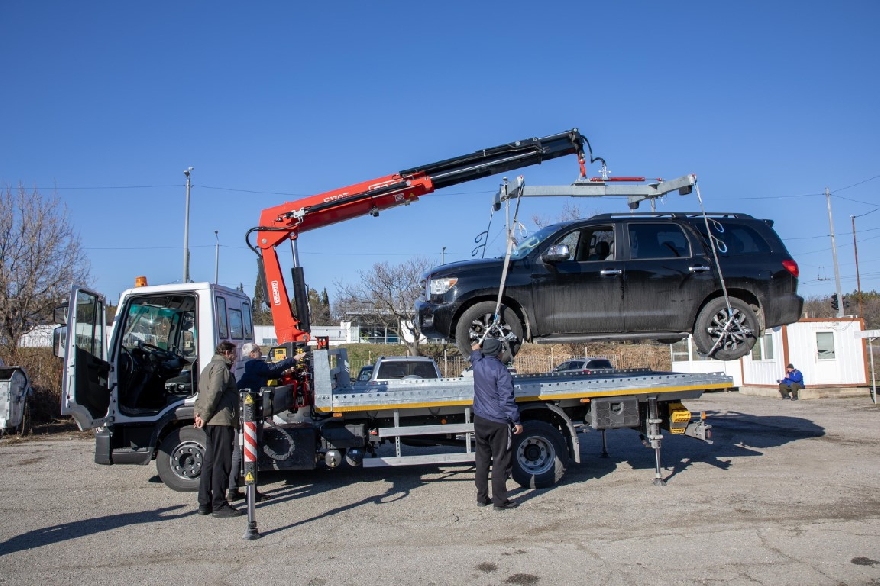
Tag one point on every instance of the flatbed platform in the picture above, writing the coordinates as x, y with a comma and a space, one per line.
459, 391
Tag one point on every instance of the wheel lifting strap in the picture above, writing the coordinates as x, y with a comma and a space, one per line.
509, 228
712, 239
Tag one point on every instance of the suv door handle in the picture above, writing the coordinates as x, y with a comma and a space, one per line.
698, 269
608, 272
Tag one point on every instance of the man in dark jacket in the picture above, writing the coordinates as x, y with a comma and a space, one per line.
216, 411
495, 416
257, 373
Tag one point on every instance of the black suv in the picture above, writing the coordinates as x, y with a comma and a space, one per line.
624, 277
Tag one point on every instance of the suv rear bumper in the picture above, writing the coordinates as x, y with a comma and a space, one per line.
782, 310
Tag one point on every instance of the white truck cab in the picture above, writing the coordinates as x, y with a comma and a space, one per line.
135, 389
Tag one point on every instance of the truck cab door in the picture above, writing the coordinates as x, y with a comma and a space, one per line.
85, 393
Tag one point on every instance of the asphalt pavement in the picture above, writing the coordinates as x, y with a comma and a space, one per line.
788, 493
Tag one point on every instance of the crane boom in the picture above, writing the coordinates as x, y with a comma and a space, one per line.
288, 220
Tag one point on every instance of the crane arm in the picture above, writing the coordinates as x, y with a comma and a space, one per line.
288, 220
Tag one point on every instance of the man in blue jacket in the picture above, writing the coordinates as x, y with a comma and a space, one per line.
257, 373
495, 417
792, 383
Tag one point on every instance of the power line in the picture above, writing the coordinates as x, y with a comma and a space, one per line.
289, 194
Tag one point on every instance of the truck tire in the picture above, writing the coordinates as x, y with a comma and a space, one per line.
539, 456
475, 320
711, 321
179, 461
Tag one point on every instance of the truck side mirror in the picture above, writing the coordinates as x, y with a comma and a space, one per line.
60, 314
59, 340
556, 253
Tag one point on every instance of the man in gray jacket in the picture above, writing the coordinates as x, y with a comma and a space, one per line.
216, 411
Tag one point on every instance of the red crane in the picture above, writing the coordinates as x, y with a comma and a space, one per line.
288, 220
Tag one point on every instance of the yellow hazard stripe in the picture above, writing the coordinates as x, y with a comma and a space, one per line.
618, 393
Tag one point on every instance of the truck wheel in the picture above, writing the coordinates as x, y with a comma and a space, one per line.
474, 322
180, 459
540, 455
739, 338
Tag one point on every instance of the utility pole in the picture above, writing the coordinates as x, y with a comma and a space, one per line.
858, 280
186, 229
443, 256
216, 257
840, 308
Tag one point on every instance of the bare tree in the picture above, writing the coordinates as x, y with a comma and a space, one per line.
385, 295
319, 308
40, 258
820, 306
569, 212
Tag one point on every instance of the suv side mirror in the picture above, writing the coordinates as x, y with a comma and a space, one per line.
556, 253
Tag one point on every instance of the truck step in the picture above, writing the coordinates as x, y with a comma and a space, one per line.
413, 460
426, 430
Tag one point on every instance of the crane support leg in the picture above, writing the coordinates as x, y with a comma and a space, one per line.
655, 437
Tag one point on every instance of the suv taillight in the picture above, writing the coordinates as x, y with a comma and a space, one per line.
791, 267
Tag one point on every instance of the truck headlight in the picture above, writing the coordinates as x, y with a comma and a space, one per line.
441, 286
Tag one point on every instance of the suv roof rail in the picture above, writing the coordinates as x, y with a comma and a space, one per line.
672, 215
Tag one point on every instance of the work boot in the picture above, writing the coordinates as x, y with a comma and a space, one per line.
233, 494
205, 509
226, 512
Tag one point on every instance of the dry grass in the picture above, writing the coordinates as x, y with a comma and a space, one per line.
532, 358
535, 358
44, 371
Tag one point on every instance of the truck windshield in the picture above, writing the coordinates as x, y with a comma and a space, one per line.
163, 327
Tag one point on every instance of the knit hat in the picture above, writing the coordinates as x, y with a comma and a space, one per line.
491, 347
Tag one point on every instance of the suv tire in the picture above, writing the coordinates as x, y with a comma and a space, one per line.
712, 319
474, 321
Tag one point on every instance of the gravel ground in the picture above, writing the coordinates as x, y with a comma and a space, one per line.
787, 494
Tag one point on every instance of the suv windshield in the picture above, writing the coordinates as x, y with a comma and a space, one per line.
533, 241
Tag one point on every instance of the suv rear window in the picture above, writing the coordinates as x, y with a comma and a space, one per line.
735, 239
599, 364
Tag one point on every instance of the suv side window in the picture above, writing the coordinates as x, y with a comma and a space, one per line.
657, 241
589, 244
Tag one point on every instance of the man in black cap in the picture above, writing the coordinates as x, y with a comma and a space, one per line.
495, 418
792, 383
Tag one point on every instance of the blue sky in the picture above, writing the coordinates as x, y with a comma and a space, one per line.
106, 103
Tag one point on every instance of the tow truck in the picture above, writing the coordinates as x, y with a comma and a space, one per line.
138, 391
